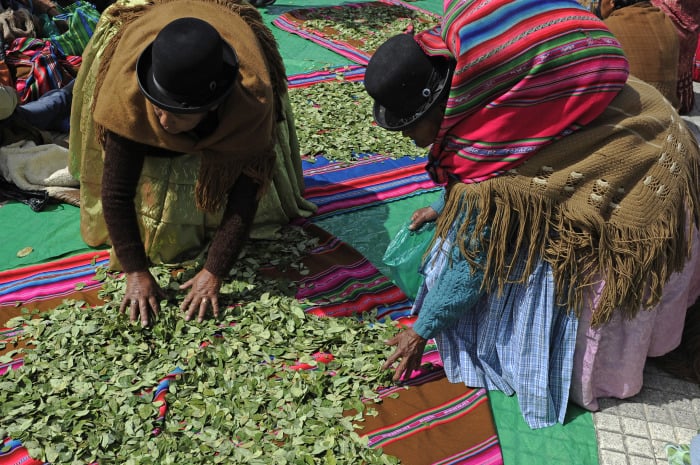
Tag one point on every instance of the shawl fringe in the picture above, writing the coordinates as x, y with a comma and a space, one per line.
635, 263
219, 175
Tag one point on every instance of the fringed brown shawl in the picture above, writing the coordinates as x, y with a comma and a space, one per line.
243, 141
612, 201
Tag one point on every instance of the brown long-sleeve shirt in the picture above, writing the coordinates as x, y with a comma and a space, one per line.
122, 169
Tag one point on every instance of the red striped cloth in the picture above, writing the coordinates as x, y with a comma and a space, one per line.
53, 280
527, 74
352, 73
337, 187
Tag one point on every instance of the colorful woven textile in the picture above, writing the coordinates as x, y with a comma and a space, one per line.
36, 283
527, 74
409, 426
355, 30
349, 73
16, 454
38, 67
338, 188
82, 18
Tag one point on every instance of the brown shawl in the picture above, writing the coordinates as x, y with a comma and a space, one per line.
612, 201
649, 40
243, 141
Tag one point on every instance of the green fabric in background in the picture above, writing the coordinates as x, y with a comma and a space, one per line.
371, 229
52, 233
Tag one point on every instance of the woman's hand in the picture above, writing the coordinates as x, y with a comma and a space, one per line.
422, 216
143, 296
203, 293
409, 348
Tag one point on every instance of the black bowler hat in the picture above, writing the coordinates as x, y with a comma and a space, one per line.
188, 68
405, 82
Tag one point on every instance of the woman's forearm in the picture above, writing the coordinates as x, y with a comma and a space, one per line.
234, 228
122, 169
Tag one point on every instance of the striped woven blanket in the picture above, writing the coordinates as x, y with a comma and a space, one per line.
338, 188
351, 73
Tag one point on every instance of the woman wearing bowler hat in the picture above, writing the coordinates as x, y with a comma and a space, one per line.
566, 247
184, 142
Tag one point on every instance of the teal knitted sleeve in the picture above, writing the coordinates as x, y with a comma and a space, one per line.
456, 291
439, 203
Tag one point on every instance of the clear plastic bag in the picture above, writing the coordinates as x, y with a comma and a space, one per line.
404, 256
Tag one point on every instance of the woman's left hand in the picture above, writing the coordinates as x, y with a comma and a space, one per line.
409, 348
204, 293
422, 216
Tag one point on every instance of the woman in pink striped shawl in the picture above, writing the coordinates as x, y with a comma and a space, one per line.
570, 203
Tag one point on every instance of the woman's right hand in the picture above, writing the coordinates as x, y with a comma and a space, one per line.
422, 216
143, 296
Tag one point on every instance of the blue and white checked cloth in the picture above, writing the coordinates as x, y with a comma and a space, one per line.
519, 342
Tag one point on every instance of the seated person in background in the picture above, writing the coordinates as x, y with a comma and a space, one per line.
189, 104
50, 112
570, 208
649, 40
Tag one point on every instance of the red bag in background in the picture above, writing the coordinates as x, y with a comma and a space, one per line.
696, 68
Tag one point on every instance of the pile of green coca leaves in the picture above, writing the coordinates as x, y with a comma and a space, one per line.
368, 25
334, 119
86, 391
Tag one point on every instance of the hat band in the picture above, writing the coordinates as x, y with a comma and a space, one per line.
433, 88
185, 100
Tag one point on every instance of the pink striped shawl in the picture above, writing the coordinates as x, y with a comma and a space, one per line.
528, 73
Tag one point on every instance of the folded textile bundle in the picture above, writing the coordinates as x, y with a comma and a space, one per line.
33, 167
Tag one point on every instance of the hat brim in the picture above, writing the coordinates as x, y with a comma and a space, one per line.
393, 122
144, 73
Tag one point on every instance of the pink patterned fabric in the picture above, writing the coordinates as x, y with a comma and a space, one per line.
685, 15
609, 361
696, 68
